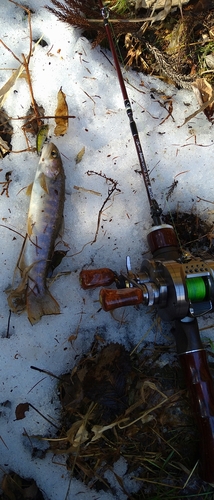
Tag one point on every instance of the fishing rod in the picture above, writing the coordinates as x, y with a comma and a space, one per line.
179, 285
154, 207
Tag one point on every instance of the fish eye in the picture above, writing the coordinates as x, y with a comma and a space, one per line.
54, 154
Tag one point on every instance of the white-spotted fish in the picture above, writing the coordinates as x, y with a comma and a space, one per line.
43, 225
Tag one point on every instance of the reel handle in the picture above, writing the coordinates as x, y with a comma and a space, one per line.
92, 278
112, 299
200, 385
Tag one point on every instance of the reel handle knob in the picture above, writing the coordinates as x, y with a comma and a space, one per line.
92, 278
112, 299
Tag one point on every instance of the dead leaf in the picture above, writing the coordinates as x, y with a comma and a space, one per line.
163, 13
80, 155
81, 436
6, 132
77, 434
204, 106
159, 4
79, 188
4, 148
32, 121
9, 84
41, 137
204, 93
61, 114
20, 410
99, 429
153, 387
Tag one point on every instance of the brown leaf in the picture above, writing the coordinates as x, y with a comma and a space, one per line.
9, 84
77, 434
79, 188
33, 121
20, 410
204, 93
61, 114
6, 131
80, 155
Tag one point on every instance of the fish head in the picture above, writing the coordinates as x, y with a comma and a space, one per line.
50, 161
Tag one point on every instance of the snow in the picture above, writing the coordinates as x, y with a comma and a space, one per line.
100, 124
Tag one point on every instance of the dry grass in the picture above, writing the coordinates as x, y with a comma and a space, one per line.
177, 49
119, 404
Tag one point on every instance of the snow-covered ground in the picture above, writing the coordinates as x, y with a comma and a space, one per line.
99, 124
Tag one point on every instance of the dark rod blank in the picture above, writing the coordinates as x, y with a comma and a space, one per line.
154, 207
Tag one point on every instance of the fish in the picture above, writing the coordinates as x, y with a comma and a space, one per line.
45, 217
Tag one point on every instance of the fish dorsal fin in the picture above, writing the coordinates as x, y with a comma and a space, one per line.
43, 184
29, 189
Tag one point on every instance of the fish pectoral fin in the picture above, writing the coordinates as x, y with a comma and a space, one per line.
40, 305
29, 189
17, 297
43, 183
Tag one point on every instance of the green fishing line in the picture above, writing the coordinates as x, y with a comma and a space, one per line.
196, 289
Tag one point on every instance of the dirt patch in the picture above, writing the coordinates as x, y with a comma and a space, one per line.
194, 234
122, 404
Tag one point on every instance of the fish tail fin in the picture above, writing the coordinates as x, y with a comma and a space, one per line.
40, 305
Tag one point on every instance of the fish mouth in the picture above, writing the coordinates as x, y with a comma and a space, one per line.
50, 160
49, 152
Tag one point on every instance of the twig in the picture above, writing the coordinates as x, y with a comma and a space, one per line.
199, 110
8, 325
202, 199
43, 416
110, 192
25, 63
86, 93
136, 20
14, 55
45, 371
33, 101
29, 22
5, 187
4, 442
